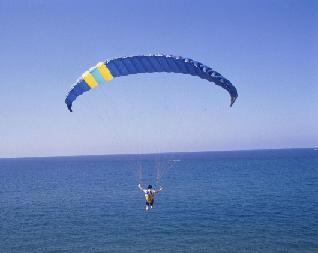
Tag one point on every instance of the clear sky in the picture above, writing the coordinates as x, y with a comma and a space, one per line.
268, 49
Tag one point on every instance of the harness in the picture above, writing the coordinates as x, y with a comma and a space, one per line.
149, 196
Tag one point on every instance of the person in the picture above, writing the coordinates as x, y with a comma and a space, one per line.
149, 195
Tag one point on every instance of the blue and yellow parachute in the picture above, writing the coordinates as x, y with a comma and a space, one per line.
106, 71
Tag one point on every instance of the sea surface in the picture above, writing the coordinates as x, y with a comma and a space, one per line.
242, 201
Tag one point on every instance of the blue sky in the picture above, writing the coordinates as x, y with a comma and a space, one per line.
268, 49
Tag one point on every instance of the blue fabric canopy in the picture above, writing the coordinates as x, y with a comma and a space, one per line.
146, 64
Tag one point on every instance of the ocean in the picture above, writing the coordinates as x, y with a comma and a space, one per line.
240, 201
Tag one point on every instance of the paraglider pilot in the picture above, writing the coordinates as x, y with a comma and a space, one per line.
149, 195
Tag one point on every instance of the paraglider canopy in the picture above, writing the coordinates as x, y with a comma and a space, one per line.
106, 71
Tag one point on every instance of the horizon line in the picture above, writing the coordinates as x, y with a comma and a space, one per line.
156, 153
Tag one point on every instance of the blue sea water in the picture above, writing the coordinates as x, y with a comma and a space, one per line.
245, 201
